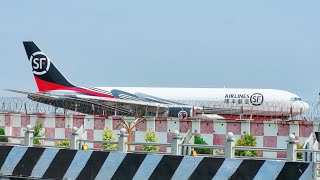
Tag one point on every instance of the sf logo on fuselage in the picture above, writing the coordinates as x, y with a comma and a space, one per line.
256, 99
40, 63
182, 114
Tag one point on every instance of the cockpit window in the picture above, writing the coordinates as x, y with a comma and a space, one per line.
295, 99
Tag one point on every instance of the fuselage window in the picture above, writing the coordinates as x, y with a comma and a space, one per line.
295, 99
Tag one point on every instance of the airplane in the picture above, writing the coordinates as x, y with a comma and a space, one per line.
217, 103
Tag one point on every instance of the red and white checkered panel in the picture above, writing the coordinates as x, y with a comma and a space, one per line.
268, 133
2, 121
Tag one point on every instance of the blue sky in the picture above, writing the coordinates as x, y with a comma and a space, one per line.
239, 44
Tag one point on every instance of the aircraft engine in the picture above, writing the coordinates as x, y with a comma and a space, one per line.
180, 112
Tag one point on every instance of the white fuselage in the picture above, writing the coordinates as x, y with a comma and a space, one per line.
268, 102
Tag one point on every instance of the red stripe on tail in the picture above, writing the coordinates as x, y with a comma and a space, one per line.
44, 86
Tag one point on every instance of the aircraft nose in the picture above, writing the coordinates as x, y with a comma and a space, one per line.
305, 106
301, 107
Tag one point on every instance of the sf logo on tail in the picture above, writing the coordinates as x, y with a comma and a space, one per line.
40, 63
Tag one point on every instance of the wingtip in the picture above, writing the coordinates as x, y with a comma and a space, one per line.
9, 89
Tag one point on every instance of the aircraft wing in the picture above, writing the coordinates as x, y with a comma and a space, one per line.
120, 102
71, 101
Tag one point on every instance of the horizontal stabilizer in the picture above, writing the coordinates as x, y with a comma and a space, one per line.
36, 95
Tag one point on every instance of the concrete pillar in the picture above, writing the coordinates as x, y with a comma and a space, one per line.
73, 138
229, 151
291, 148
28, 135
122, 140
245, 127
175, 143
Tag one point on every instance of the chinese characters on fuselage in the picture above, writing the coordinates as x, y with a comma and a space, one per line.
237, 99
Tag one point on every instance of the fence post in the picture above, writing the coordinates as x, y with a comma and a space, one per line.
122, 140
229, 151
28, 135
291, 148
175, 143
73, 138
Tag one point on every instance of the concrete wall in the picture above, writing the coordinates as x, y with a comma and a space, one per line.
268, 133
72, 164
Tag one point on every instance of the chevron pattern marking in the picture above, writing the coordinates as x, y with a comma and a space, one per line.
77, 164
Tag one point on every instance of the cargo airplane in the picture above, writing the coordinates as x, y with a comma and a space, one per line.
56, 90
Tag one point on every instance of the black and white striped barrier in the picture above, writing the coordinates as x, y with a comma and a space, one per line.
79, 164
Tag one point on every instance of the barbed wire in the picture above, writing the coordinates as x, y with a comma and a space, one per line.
28, 106
25, 105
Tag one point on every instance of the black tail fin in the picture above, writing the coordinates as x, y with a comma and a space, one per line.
47, 76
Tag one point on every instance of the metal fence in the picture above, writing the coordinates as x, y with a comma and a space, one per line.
25, 105
179, 146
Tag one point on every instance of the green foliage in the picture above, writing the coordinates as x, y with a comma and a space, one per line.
64, 143
199, 140
36, 133
299, 154
219, 152
3, 139
150, 137
108, 136
247, 140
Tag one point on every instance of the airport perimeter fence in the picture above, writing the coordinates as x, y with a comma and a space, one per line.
28, 106
180, 145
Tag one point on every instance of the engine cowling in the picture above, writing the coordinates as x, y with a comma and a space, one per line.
180, 112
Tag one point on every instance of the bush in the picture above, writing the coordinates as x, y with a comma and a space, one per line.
64, 143
219, 152
3, 139
247, 140
299, 154
36, 133
108, 136
150, 137
199, 140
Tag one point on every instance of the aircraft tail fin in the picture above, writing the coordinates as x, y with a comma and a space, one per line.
47, 76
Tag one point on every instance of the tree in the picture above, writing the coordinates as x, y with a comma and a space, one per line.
129, 126
150, 137
199, 140
246, 140
3, 139
108, 136
36, 133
